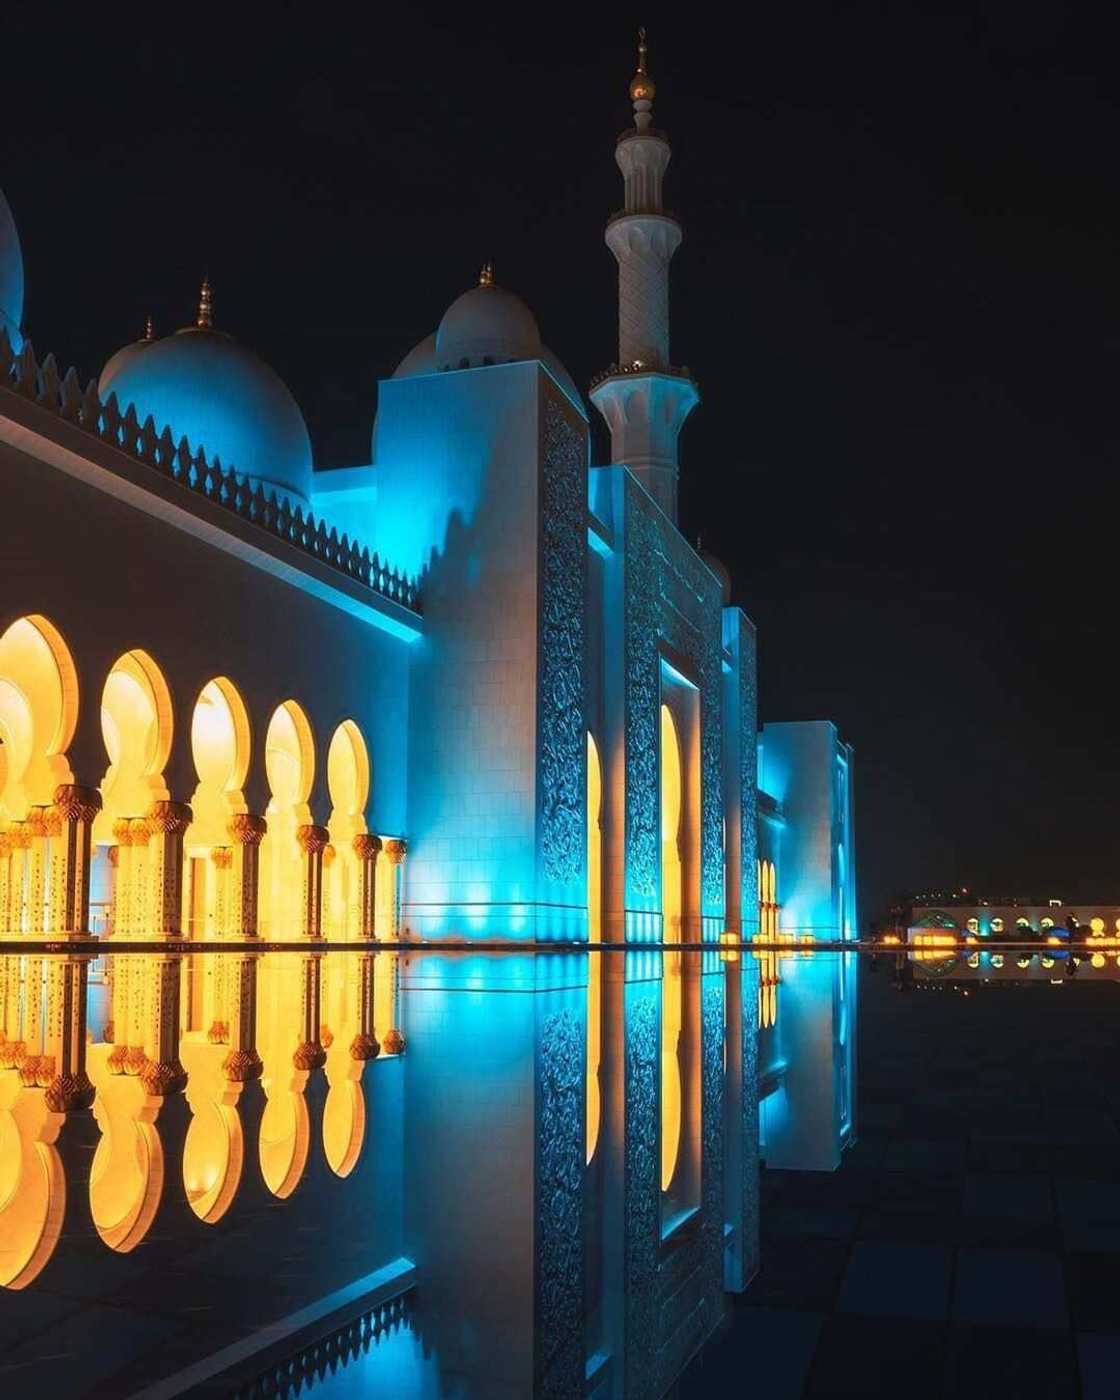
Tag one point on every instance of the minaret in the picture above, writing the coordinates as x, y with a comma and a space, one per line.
644, 399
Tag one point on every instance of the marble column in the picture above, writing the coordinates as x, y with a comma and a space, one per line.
246, 833
168, 822
163, 1073
367, 848
243, 1063
395, 852
312, 841
364, 1046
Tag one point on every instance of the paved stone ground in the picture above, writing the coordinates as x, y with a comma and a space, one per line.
969, 1245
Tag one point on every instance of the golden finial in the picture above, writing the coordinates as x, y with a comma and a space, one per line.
205, 306
486, 276
641, 85
149, 329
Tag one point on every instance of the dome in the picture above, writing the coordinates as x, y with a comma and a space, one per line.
11, 275
125, 355
719, 568
206, 387
421, 359
486, 325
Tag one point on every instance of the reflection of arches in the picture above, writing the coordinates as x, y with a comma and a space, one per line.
672, 1000
214, 1149
285, 1140
32, 1186
220, 746
126, 1179
289, 757
136, 724
348, 777
38, 714
594, 934
344, 1123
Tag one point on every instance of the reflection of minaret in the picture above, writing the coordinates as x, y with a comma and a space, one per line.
643, 398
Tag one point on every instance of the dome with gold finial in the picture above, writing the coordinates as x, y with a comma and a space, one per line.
204, 386
11, 275
486, 325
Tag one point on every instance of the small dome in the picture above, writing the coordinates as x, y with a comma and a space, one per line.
125, 355
486, 325
203, 385
11, 275
421, 359
719, 568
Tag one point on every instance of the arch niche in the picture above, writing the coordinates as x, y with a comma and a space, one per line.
220, 746
348, 782
289, 757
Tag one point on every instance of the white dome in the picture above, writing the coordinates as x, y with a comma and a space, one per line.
206, 387
11, 275
486, 325
421, 359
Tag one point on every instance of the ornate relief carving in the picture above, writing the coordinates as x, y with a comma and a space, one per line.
643, 1061
643, 865
559, 1206
246, 830
748, 777
711, 1132
561, 746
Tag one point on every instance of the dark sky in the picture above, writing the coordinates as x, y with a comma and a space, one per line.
898, 290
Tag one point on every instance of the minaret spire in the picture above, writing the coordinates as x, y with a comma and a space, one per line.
646, 409
205, 318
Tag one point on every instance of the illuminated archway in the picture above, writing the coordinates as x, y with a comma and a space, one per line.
38, 714
672, 998
220, 746
289, 757
594, 935
348, 777
136, 724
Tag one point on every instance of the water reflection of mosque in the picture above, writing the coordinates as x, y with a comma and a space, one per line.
232, 1124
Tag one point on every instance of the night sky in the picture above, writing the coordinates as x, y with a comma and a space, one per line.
898, 290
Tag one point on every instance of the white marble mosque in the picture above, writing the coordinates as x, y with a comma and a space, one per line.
424, 729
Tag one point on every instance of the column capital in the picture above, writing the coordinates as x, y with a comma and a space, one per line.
246, 830
366, 846
122, 831
76, 803
221, 857
364, 1047
163, 1077
396, 851
37, 822
329, 854
242, 1066
114, 856
140, 829
312, 839
394, 1042
66, 1092
172, 818
309, 1056
5, 844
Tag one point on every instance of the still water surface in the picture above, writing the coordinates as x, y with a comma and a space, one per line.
221, 1153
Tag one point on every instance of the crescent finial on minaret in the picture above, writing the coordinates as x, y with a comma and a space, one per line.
642, 87
486, 276
149, 329
205, 319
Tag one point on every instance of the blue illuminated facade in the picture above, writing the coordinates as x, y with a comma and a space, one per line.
484, 605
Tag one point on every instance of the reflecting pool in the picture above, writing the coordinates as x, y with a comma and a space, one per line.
437, 1171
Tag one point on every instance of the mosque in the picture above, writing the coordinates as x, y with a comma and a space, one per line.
479, 691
